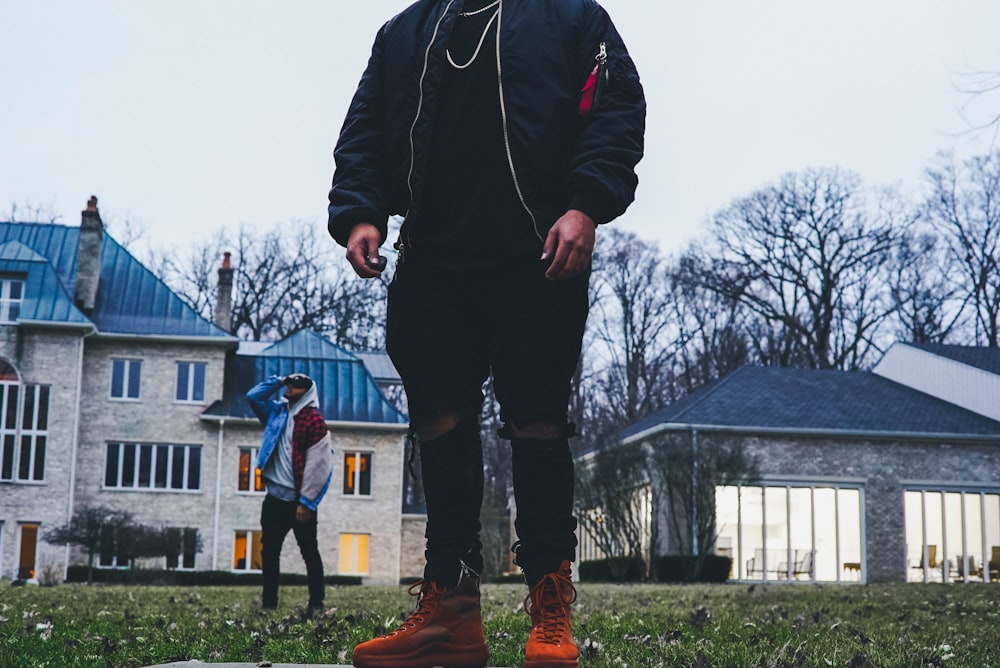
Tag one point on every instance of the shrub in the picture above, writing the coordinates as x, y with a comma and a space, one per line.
613, 569
195, 578
674, 568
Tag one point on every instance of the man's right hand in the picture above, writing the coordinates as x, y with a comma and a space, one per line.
362, 249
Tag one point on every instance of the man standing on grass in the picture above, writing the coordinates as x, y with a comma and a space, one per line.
296, 465
506, 131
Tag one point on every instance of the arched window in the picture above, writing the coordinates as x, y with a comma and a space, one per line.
24, 424
7, 372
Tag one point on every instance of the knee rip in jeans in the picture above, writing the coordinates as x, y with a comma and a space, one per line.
437, 426
536, 430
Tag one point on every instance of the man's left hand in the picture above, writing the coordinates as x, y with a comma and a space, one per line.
570, 244
303, 514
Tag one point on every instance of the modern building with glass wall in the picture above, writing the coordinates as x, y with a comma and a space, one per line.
863, 476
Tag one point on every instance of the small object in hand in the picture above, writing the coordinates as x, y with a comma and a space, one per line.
378, 264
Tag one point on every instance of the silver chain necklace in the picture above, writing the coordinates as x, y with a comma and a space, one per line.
481, 9
482, 38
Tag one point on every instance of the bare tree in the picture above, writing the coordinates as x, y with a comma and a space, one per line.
629, 359
29, 212
91, 528
712, 337
685, 472
923, 290
808, 257
964, 204
286, 279
614, 508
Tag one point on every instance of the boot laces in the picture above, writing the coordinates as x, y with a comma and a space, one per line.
548, 605
427, 593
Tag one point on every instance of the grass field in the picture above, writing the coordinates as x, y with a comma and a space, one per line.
616, 625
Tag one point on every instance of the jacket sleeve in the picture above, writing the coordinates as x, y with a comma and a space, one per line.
259, 397
356, 195
602, 181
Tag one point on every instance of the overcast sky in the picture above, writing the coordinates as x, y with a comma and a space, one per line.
185, 116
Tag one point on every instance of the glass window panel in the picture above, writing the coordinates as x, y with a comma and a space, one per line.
7, 458
118, 378
974, 524
134, 374
194, 468
177, 467
849, 530
240, 551
257, 551
11, 418
7, 372
243, 471
913, 511
934, 523
39, 472
825, 513
727, 519
992, 521
28, 410
776, 518
954, 548
349, 466
43, 408
24, 463
111, 466
801, 531
365, 477
128, 465
752, 521
182, 381
162, 457
145, 465
16, 289
190, 548
198, 389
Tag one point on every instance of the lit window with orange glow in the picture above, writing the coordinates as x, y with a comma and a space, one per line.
358, 473
248, 475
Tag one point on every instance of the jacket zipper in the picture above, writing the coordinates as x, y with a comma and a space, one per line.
506, 132
420, 107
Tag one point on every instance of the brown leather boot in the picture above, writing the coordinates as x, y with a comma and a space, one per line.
551, 644
446, 630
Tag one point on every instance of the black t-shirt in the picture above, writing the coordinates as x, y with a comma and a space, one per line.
471, 215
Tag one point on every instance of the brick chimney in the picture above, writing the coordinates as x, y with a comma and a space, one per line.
88, 259
224, 295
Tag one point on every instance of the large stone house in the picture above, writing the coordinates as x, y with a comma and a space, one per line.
114, 393
891, 475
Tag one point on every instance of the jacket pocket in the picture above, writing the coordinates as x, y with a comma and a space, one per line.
593, 89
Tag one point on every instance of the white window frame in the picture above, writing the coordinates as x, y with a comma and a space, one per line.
154, 469
357, 494
24, 440
129, 365
10, 307
189, 391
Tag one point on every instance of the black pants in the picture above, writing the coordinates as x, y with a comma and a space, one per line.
277, 517
447, 331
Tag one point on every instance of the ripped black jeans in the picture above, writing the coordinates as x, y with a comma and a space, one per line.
447, 331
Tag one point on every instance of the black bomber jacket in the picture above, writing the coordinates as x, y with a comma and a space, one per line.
559, 160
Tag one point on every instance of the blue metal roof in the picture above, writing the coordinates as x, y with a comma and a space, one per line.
45, 299
844, 402
130, 298
347, 391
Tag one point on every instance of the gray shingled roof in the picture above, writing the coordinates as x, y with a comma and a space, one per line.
758, 399
987, 359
